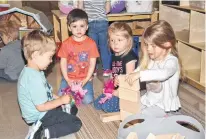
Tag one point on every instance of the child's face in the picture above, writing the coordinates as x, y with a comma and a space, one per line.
118, 43
43, 60
156, 53
78, 29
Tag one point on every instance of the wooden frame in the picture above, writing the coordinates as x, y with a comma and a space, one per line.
189, 26
129, 96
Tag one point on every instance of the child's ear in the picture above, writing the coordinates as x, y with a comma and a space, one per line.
35, 54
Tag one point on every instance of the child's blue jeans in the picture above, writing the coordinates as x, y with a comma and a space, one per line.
98, 32
111, 105
89, 96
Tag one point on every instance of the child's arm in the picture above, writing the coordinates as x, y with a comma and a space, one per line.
107, 6
49, 105
92, 64
80, 4
55, 96
63, 66
170, 67
130, 66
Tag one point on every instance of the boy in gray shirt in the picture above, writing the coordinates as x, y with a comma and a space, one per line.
11, 58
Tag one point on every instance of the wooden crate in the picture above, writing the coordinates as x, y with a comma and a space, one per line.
189, 26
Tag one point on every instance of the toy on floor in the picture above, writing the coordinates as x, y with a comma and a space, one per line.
107, 90
76, 91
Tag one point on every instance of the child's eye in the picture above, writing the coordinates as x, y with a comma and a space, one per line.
154, 46
82, 26
74, 26
119, 40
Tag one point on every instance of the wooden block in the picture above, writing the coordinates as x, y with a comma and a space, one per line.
129, 106
108, 117
130, 95
124, 84
124, 114
132, 135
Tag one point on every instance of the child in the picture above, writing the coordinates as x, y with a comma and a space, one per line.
35, 96
124, 61
11, 59
98, 27
160, 72
78, 55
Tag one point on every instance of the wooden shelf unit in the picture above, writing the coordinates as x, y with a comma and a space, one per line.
189, 26
61, 30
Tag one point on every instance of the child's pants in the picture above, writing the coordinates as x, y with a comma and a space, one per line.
60, 123
98, 32
111, 105
89, 96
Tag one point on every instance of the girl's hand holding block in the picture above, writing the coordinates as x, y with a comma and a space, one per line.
132, 77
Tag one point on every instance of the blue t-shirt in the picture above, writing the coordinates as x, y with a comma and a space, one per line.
33, 89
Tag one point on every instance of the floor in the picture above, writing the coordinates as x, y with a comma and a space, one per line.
13, 127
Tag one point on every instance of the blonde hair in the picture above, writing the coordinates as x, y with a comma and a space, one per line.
159, 33
37, 41
126, 31
10, 29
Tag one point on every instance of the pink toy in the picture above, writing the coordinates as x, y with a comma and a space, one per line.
76, 91
107, 90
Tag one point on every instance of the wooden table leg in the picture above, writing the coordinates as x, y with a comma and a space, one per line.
56, 28
64, 29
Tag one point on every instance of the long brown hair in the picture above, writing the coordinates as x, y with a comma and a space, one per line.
159, 33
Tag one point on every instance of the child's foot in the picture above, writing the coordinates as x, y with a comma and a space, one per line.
107, 73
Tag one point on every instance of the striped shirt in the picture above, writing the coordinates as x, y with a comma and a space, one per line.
95, 9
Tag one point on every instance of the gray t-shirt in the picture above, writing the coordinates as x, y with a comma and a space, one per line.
11, 59
95, 9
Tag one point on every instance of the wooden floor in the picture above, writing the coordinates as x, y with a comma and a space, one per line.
13, 127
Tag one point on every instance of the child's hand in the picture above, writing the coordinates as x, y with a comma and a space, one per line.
116, 81
66, 99
130, 78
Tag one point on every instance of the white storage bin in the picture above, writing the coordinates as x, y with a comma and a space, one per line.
139, 6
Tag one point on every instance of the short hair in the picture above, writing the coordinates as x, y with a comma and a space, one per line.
37, 41
76, 15
10, 29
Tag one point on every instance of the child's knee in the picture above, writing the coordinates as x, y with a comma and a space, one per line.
78, 125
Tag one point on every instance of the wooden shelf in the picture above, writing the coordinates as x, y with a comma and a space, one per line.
185, 8
200, 45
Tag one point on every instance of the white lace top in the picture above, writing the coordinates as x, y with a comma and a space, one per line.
162, 79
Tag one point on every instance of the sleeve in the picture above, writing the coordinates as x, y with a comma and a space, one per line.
3, 59
37, 90
63, 53
170, 68
130, 56
93, 50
